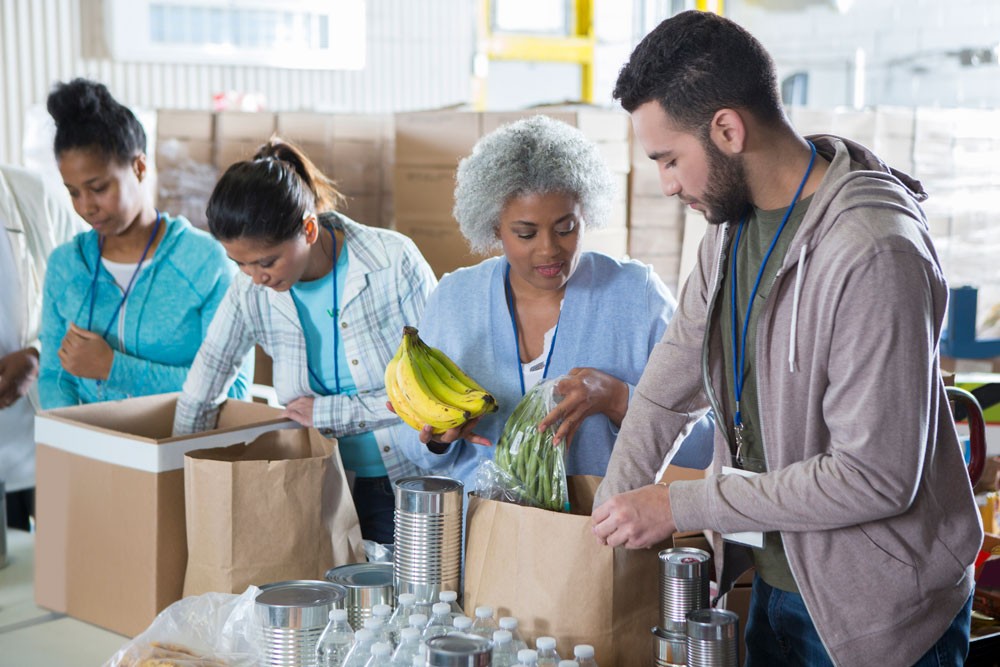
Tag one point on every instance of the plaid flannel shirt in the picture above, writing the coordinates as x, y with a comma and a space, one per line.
388, 282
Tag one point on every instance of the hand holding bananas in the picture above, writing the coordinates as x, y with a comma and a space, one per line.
585, 392
426, 388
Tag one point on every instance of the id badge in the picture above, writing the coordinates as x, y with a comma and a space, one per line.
749, 538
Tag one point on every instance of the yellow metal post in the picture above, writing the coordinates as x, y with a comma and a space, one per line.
714, 6
577, 47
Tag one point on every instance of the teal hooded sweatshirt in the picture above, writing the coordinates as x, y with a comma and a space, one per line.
159, 327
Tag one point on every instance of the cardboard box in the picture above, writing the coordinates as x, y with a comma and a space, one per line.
598, 125
228, 152
424, 193
326, 128
243, 126
179, 124
442, 245
111, 547
436, 138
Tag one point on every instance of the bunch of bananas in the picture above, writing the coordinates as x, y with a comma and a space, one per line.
426, 387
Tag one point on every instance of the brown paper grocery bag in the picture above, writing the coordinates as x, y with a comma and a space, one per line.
276, 509
547, 570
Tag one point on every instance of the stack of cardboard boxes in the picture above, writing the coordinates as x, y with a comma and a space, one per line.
184, 162
429, 146
656, 223
355, 151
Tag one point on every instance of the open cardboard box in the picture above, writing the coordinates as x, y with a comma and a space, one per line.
110, 547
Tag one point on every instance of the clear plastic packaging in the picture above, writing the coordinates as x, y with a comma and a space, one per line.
527, 467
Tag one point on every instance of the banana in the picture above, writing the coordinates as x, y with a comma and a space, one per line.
399, 403
423, 403
448, 389
453, 368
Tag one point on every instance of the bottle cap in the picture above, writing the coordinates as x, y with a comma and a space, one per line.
527, 655
441, 608
508, 622
406, 599
447, 596
417, 621
409, 634
462, 622
502, 636
568, 663
382, 650
484, 612
583, 651
382, 611
363, 635
338, 615
545, 643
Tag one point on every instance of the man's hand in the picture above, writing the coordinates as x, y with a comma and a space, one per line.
300, 410
85, 354
636, 519
17, 371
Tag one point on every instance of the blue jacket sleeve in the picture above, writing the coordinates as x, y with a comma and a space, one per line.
56, 388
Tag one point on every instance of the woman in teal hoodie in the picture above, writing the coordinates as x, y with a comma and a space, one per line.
126, 304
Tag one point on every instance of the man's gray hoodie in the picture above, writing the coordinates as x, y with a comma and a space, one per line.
867, 482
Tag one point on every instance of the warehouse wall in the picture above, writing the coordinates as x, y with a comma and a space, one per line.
911, 48
419, 56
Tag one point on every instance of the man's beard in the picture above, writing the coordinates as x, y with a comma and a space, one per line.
727, 195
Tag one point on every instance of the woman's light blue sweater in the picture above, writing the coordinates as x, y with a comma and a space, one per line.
613, 313
159, 328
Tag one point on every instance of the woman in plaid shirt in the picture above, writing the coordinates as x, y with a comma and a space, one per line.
327, 299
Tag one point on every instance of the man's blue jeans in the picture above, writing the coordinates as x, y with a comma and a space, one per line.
780, 632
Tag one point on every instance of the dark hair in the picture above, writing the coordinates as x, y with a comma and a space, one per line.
267, 197
696, 63
87, 116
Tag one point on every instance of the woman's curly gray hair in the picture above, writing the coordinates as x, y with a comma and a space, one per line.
535, 155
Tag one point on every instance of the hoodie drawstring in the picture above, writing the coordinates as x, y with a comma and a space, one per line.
799, 275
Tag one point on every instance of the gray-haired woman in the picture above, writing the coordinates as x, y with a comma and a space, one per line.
545, 308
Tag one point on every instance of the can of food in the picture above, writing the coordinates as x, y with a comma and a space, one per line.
291, 615
428, 536
459, 650
683, 586
669, 648
712, 638
367, 584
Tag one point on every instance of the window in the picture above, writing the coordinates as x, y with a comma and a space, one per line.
300, 34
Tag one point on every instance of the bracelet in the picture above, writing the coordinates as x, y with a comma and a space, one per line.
662, 483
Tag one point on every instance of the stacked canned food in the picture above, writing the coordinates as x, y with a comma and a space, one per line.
690, 633
291, 616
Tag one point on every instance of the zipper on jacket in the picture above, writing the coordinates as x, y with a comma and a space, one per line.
713, 400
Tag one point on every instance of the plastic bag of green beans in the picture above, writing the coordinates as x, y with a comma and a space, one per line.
528, 458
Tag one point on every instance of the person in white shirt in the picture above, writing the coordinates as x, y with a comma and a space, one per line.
36, 217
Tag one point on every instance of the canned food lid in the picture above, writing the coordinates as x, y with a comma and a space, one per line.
300, 593
429, 484
712, 624
684, 555
361, 575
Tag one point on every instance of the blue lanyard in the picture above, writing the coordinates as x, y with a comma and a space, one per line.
739, 353
513, 325
336, 333
97, 270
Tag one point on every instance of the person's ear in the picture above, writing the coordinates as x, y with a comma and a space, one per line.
310, 227
139, 166
728, 131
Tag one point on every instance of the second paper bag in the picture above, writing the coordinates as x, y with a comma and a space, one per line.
276, 509
547, 570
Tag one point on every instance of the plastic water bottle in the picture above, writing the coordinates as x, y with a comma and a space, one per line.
409, 642
378, 629
461, 624
384, 612
335, 641
418, 621
484, 625
451, 597
406, 604
420, 659
584, 654
568, 663
504, 654
381, 655
547, 656
440, 623
509, 623
528, 657
361, 650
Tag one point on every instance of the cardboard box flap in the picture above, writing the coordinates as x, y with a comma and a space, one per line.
136, 433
